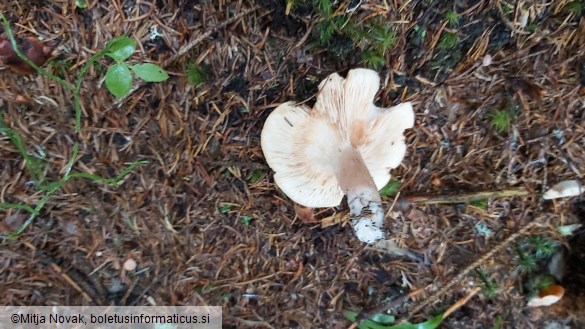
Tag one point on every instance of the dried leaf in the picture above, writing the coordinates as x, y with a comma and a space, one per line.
334, 219
31, 47
306, 215
563, 189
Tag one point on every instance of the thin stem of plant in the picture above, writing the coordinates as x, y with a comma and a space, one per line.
53, 187
42, 72
76, 90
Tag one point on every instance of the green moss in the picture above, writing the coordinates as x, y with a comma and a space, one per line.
502, 119
448, 41
373, 59
452, 18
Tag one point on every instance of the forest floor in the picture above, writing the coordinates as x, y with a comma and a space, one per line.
498, 89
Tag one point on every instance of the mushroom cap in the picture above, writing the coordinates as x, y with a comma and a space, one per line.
302, 145
547, 296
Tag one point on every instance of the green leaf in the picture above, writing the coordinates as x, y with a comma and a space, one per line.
81, 4
369, 324
365, 324
255, 176
390, 189
119, 79
224, 208
150, 72
383, 318
17, 206
430, 324
246, 220
120, 48
195, 74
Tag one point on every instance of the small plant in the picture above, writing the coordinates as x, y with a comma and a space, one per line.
81, 4
419, 35
340, 35
448, 41
328, 28
373, 59
246, 220
452, 18
224, 208
490, 287
383, 37
35, 165
502, 119
541, 247
575, 8
526, 261
119, 76
389, 321
324, 8
255, 176
195, 74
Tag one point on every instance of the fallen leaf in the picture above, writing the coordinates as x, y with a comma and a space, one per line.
563, 189
31, 47
306, 215
334, 219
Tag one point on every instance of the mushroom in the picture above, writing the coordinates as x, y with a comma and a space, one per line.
547, 296
344, 145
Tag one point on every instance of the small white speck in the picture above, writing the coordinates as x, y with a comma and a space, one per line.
154, 33
487, 60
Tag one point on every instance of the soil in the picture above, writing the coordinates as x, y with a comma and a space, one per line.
204, 220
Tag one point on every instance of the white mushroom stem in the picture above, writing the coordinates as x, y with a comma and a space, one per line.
365, 204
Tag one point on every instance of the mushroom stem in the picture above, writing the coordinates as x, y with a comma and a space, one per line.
365, 204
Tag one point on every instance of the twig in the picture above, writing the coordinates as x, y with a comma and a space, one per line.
184, 50
457, 279
461, 302
468, 197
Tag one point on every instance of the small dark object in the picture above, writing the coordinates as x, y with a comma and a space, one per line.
31, 47
528, 88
